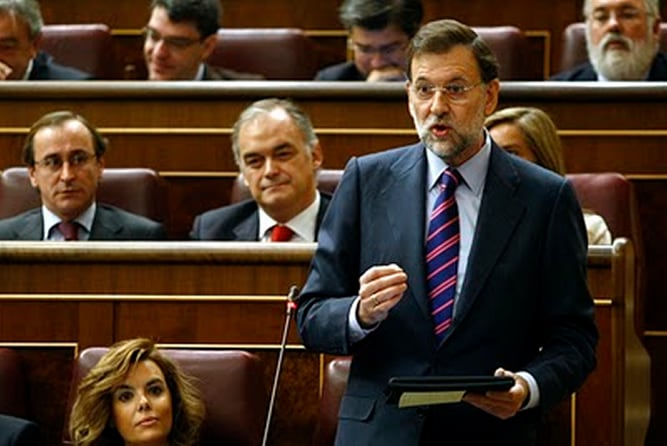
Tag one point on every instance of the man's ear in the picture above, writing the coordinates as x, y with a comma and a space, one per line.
31, 175
317, 156
209, 45
656, 29
492, 92
35, 44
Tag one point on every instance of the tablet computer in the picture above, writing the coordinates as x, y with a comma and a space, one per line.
410, 391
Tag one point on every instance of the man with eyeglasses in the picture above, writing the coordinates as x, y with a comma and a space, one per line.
623, 42
65, 158
20, 58
451, 257
378, 34
179, 37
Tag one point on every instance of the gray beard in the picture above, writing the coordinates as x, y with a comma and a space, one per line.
620, 65
452, 152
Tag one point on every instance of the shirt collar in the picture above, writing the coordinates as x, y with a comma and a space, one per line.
28, 70
473, 171
303, 224
200, 73
85, 219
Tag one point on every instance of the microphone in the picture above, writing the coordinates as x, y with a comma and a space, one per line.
290, 307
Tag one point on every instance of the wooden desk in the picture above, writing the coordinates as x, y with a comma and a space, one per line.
604, 127
56, 299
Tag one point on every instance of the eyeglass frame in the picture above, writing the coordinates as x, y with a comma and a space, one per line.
54, 163
173, 42
626, 14
454, 92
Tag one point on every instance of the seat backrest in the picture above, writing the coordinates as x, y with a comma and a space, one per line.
510, 46
87, 47
612, 196
573, 49
333, 387
137, 190
230, 381
13, 387
327, 181
275, 53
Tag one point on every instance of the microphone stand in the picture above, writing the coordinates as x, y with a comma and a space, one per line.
291, 306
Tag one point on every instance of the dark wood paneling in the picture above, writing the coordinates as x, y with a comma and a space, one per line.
231, 295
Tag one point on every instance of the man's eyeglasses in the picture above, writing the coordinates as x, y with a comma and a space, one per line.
455, 92
53, 163
625, 15
383, 50
173, 42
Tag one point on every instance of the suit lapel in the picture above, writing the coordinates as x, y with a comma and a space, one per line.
105, 224
500, 211
32, 227
248, 228
324, 204
404, 200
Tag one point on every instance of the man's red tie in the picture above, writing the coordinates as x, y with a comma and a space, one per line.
281, 233
69, 230
442, 253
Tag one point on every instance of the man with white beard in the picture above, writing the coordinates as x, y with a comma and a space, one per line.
622, 38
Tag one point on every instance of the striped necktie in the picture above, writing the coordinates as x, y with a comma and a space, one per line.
442, 253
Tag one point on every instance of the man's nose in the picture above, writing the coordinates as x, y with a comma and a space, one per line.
378, 60
270, 166
160, 48
66, 171
439, 103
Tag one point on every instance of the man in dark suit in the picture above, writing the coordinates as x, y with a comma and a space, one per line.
514, 272
65, 158
18, 432
278, 154
623, 40
179, 37
20, 59
378, 33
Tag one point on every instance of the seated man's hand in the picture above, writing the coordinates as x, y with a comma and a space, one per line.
5, 71
384, 74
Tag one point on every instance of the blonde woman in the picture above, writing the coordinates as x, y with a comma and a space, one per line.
135, 395
531, 134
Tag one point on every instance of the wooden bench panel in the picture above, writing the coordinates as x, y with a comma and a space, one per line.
231, 295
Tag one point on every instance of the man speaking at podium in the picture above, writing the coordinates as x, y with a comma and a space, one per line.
451, 258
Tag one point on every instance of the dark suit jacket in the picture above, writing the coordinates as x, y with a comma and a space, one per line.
212, 73
239, 221
44, 68
524, 304
585, 72
18, 432
346, 71
110, 223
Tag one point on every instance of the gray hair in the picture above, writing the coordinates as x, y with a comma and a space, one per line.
28, 10
265, 106
652, 7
